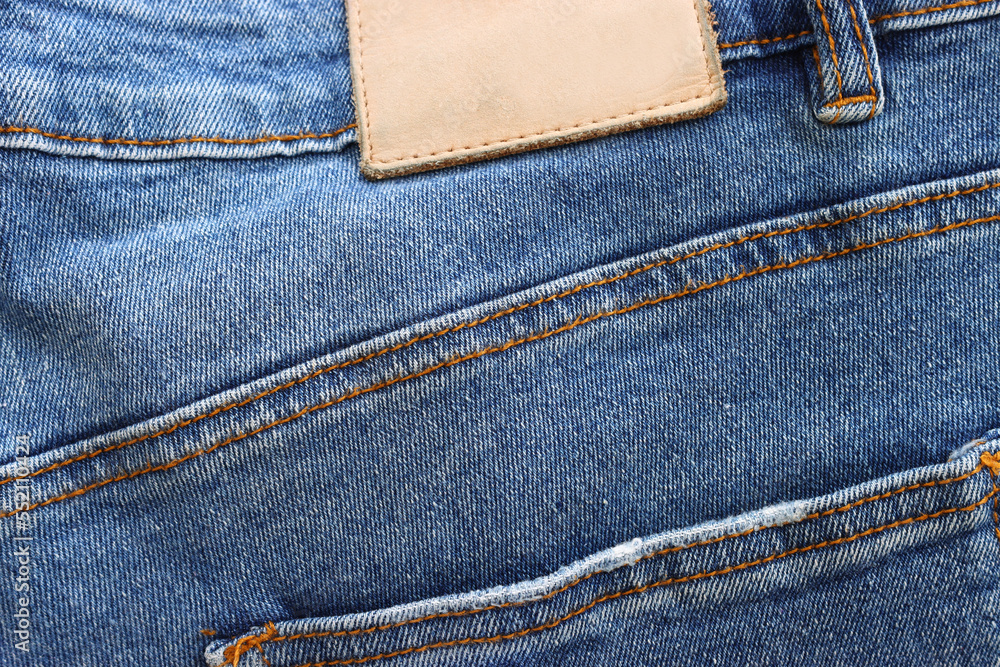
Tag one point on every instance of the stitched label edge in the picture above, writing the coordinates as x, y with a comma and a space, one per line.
712, 99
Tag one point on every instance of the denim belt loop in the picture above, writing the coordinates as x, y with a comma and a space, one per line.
845, 76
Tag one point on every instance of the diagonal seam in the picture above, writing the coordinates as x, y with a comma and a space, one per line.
664, 582
689, 290
270, 635
503, 313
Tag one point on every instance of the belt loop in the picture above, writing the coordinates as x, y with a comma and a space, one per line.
845, 77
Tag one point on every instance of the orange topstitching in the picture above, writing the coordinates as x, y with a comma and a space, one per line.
183, 140
503, 313
580, 320
241, 646
864, 51
327, 135
833, 49
658, 584
845, 101
994, 465
876, 19
928, 10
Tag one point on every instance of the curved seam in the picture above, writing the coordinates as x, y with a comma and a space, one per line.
503, 313
171, 142
665, 582
241, 646
580, 320
994, 472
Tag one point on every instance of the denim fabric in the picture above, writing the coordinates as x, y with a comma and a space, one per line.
721, 391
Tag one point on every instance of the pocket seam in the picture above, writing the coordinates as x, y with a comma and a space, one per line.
494, 316
688, 290
987, 460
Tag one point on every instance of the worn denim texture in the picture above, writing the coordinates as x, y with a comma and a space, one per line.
721, 391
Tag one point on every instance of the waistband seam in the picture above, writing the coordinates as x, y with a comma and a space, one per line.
309, 135
763, 41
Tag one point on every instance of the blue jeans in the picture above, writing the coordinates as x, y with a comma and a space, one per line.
722, 391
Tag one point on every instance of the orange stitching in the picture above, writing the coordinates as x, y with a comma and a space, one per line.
927, 10
208, 632
665, 582
989, 459
864, 51
503, 313
235, 652
714, 540
580, 320
171, 142
767, 40
819, 69
846, 101
884, 17
327, 135
833, 49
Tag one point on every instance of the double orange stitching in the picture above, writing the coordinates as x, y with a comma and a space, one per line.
883, 17
503, 313
864, 51
327, 135
833, 50
172, 142
580, 320
235, 652
715, 540
658, 584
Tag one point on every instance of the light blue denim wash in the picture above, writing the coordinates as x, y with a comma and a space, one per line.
720, 392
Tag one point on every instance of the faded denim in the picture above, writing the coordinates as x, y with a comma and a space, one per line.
721, 391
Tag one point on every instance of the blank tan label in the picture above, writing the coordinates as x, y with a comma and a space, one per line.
439, 82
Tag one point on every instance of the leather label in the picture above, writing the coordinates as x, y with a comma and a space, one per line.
440, 82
